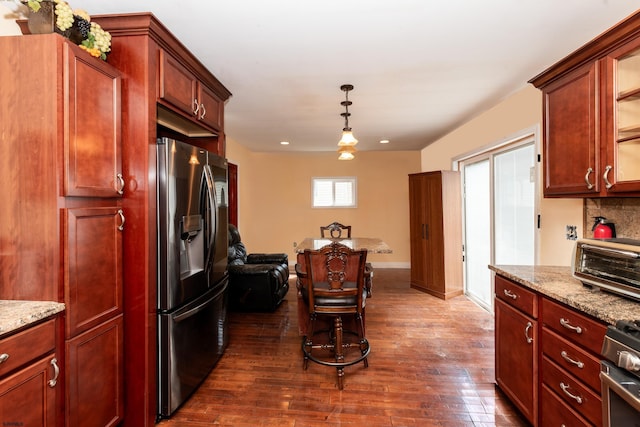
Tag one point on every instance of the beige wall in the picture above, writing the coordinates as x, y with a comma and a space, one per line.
275, 199
520, 111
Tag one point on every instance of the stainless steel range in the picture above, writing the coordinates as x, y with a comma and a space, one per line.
620, 375
609, 264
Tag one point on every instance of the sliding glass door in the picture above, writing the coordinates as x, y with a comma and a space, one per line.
499, 213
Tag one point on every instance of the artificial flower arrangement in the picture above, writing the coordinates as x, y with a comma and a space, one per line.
94, 39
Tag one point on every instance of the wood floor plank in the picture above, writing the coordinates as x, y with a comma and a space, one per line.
431, 364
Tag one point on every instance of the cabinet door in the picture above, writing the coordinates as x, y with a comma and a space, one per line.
94, 376
27, 398
571, 137
92, 138
516, 358
211, 108
178, 86
433, 234
93, 261
621, 117
417, 221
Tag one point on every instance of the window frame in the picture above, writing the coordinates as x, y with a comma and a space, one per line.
334, 180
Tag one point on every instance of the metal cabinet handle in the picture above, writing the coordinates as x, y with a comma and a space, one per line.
565, 389
605, 176
586, 179
3, 357
196, 107
120, 180
566, 357
204, 112
56, 371
121, 226
510, 294
565, 323
526, 332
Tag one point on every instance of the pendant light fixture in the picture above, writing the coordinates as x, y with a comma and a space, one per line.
348, 141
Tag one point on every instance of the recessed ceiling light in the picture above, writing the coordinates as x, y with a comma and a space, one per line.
284, 142
384, 141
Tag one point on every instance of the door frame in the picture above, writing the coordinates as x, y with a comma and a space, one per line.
522, 137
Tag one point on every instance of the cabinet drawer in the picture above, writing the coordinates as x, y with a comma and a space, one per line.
517, 296
27, 345
573, 326
554, 412
572, 358
572, 392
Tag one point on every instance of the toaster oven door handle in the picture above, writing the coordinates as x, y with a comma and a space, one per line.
612, 252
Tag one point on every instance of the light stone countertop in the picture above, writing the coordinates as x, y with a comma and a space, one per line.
557, 283
15, 314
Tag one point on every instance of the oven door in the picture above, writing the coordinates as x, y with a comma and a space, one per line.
620, 397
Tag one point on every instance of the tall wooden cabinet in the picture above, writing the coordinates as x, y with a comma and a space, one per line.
62, 220
435, 225
591, 98
167, 92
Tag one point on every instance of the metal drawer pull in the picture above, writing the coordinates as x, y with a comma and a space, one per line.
3, 357
566, 357
56, 371
564, 322
196, 107
120, 179
526, 332
121, 214
510, 294
606, 178
204, 112
586, 179
565, 389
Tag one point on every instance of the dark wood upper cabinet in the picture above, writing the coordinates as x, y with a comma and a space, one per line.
591, 117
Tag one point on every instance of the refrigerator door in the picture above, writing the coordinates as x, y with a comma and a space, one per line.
192, 340
217, 168
185, 216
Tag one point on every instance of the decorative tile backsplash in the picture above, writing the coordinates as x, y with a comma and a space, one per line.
623, 212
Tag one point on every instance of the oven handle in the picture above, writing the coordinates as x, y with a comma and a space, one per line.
620, 391
617, 253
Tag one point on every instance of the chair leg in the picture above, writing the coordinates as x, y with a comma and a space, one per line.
363, 344
307, 342
339, 350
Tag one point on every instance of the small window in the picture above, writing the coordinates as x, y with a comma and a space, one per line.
334, 192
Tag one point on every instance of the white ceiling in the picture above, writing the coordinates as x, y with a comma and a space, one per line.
420, 67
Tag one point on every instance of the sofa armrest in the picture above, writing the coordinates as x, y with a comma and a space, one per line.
268, 259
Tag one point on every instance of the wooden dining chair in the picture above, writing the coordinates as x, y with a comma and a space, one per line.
334, 289
335, 230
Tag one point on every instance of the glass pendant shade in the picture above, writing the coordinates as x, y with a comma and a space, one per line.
346, 152
347, 138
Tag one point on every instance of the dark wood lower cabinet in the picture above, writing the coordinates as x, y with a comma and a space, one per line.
547, 357
95, 376
516, 358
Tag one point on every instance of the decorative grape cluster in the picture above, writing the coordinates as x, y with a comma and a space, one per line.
98, 43
64, 15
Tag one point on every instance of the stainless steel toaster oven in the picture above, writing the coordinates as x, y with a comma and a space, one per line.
609, 264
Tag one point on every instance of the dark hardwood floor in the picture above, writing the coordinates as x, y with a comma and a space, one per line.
431, 364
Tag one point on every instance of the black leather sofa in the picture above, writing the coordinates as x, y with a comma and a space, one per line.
257, 282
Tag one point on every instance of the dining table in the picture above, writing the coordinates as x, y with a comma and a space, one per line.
373, 245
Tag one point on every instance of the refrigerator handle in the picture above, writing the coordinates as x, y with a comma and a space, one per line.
212, 218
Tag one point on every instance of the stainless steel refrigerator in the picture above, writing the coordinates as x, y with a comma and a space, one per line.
192, 268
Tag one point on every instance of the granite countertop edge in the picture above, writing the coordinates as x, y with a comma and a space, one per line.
559, 284
17, 314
